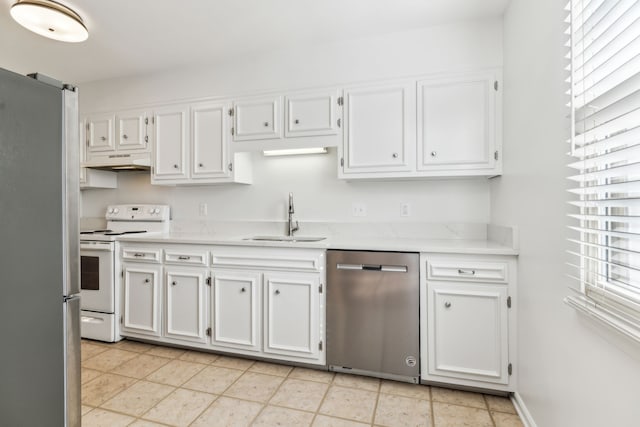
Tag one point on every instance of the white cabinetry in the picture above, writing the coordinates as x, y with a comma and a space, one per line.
291, 305
290, 312
192, 146
379, 133
436, 126
309, 119
141, 299
468, 323
236, 310
92, 178
257, 118
171, 139
132, 130
457, 123
186, 303
100, 133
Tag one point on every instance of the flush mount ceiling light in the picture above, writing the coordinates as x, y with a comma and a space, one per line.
50, 19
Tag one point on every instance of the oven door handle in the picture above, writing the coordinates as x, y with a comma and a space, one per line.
96, 246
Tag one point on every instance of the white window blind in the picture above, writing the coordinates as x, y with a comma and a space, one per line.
605, 146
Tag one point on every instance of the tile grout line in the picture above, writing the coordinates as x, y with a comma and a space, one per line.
486, 403
375, 405
266, 403
324, 396
433, 416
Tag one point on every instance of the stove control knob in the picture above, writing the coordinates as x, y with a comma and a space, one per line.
110, 210
116, 210
151, 210
156, 210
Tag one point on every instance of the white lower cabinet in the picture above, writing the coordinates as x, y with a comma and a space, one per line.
467, 320
291, 305
236, 310
186, 303
142, 304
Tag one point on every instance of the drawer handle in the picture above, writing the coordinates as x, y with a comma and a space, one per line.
138, 254
447, 304
243, 290
102, 138
467, 272
146, 280
184, 257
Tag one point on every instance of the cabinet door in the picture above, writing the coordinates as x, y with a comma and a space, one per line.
131, 130
379, 134
236, 310
209, 133
141, 299
171, 136
186, 304
100, 134
468, 331
457, 122
292, 325
258, 118
311, 114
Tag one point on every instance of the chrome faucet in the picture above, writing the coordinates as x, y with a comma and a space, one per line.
292, 228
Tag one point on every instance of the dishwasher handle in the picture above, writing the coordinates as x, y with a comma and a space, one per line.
373, 267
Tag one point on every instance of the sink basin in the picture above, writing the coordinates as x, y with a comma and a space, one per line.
286, 238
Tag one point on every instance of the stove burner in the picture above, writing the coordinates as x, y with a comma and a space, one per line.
95, 231
120, 233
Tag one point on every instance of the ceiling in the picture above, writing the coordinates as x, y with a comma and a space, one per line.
128, 37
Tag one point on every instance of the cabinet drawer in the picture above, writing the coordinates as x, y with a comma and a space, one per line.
141, 254
269, 259
475, 271
186, 257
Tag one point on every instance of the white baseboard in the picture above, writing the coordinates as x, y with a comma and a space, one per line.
522, 410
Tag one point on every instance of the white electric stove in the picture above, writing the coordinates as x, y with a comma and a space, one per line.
99, 250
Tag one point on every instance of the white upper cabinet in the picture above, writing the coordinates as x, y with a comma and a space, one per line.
132, 130
457, 123
257, 118
439, 126
379, 133
192, 146
100, 133
171, 138
209, 128
311, 114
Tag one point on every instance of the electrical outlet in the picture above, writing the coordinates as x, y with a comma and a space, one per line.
405, 209
203, 209
359, 209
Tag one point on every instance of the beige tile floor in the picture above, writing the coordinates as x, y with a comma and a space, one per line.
141, 385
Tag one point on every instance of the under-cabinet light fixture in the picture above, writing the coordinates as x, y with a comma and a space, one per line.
295, 151
50, 19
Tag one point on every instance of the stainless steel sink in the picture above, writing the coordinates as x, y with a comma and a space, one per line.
286, 238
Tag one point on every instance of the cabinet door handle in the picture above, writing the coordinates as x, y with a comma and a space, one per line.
394, 155
102, 138
467, 272
175, 166
277, 292
138, 254
266, 124
146, 280
433, 154
447, 304
125, 136
184, 257
174, 283
243, 290
200, 165
296, 121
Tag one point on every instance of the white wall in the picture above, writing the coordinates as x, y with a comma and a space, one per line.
319, 194
572, 372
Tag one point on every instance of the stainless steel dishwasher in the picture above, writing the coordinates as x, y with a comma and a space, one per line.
373, 314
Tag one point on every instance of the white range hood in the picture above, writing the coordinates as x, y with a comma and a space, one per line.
120, 162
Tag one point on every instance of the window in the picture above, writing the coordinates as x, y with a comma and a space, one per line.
605, 146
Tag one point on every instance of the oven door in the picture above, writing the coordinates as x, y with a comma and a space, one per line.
97, 276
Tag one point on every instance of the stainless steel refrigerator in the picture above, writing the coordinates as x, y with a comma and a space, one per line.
39, 253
